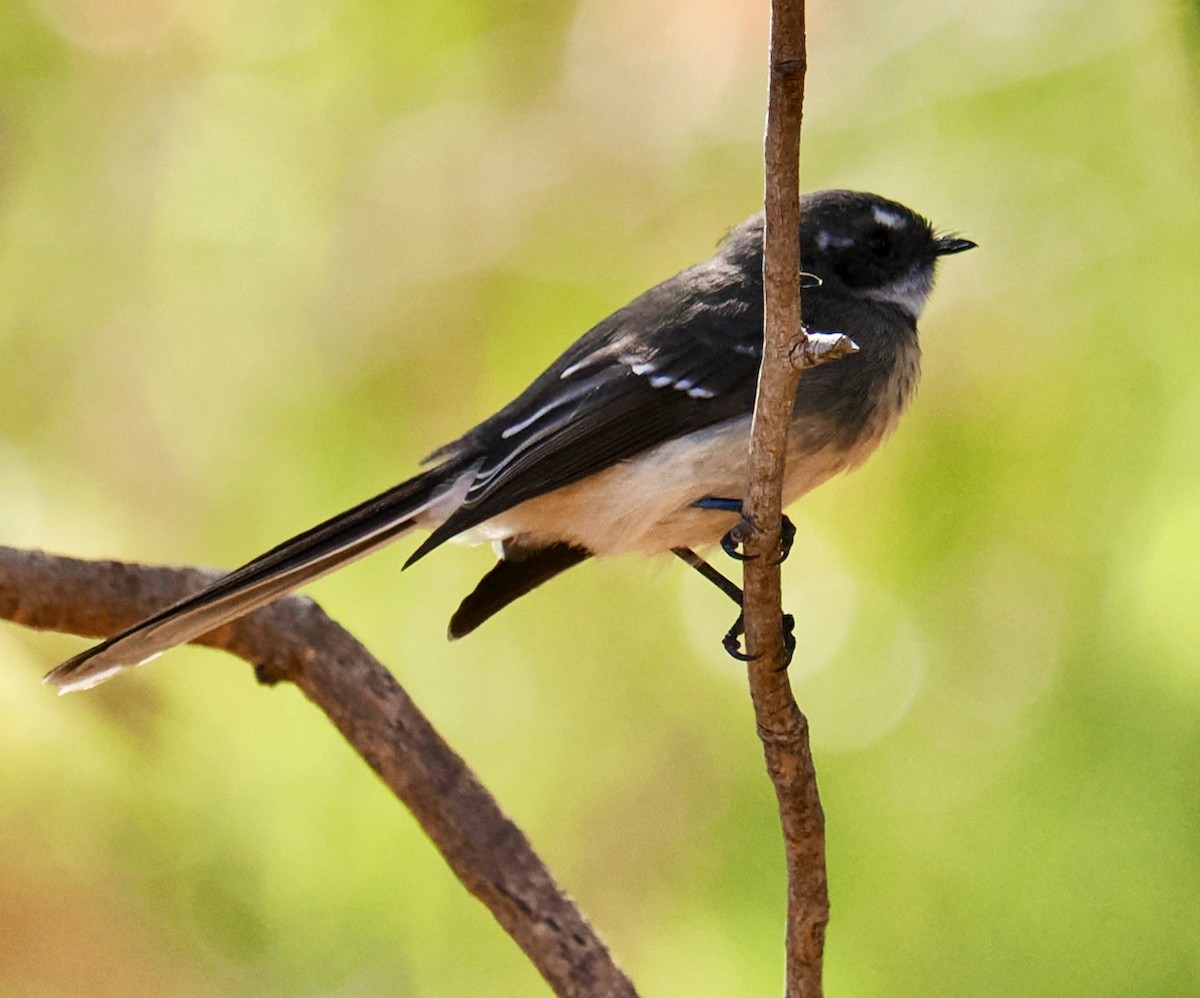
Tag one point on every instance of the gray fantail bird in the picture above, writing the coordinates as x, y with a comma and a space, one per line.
635, 439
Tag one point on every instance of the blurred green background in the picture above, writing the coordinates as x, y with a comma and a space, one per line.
257, 259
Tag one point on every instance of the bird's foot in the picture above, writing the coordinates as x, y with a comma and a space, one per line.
735, 539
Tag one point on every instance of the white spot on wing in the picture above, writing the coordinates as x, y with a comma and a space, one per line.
640, 367
663, 379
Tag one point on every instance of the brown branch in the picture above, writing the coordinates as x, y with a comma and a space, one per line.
782, 728
293, 640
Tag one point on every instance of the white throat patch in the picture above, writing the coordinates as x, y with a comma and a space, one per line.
910, 291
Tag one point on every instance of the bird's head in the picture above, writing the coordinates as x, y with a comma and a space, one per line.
873, 247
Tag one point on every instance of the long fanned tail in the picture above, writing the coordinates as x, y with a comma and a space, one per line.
306, 557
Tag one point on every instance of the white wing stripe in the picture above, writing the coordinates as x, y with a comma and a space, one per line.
570, 395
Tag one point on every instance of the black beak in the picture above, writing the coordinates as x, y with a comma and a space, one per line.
945, 245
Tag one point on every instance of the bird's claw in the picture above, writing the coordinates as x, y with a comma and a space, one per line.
733, 646
733, 540
789, 640
732, 643
787, 537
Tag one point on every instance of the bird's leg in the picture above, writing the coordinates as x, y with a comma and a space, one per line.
710, 573
730, 543
731, 642
734, 538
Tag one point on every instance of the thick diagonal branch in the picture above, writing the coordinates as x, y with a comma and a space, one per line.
293, 640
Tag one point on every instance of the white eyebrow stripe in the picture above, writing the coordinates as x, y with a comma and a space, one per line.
570, 395
888, 218
825, 239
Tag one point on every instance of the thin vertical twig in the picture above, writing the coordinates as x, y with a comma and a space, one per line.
782, 727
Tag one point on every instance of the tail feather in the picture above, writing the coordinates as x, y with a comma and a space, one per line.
510, 579
308, 556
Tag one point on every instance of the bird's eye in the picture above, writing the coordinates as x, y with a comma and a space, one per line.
880, 244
